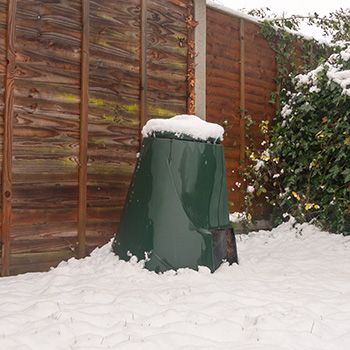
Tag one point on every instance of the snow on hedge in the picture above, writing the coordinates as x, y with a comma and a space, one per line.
335, 72
290, 291
184, 125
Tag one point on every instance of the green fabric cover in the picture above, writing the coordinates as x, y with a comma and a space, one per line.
177, 197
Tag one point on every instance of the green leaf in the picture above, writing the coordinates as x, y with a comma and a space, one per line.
346, 174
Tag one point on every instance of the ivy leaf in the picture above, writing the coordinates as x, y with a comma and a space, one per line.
346, 174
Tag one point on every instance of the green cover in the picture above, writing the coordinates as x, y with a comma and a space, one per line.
177, 198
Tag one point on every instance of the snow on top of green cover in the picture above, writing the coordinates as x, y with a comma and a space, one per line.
184, 124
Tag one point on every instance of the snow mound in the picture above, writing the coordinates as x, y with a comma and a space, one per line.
184, 125
290, 291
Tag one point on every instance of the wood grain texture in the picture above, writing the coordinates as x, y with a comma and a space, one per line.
240, 77
114, 113
223, 90
56, 106
41, 261
242, 95
84, 122
166, 58
143, 65
8, 136
260, 73
46, 129
3, 31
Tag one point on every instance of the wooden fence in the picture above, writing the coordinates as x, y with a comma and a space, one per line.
240, 69
77, 80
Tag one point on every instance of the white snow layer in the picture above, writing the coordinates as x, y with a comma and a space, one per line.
185, 124
340, 77
335, 73
237, 217
290, 291
307, 32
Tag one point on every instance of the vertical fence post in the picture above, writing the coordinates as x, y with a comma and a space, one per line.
84, 120
191, 25
8, 136
200, 39
143, 65
242, 104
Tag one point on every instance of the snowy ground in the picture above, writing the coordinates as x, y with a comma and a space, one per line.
290, 291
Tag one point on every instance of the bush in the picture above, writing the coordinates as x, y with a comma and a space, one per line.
304, 166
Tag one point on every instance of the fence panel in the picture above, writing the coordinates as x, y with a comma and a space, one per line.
114, 112
46, 133
241, 70
166, 57
223, 90
76, 69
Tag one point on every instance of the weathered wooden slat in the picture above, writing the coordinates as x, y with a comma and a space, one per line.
8, 134
264, 57
63, 166
258, 102
166, 57
38, 72
100, 236
113, 168
47, 114
48, 98
43, 178
49, 33
34, 242
143, 65
167, 18
109, 80
109, 20
242, 102
21, 263
84, 113
253, 82
98, 214
114, 108
27, 196
228, 48
46, 126
102, 228
42, 216
260, 73
3, 30
101, 196
224, 63
226, 93
224, 79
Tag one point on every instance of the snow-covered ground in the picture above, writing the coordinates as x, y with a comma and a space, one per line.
290, 291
